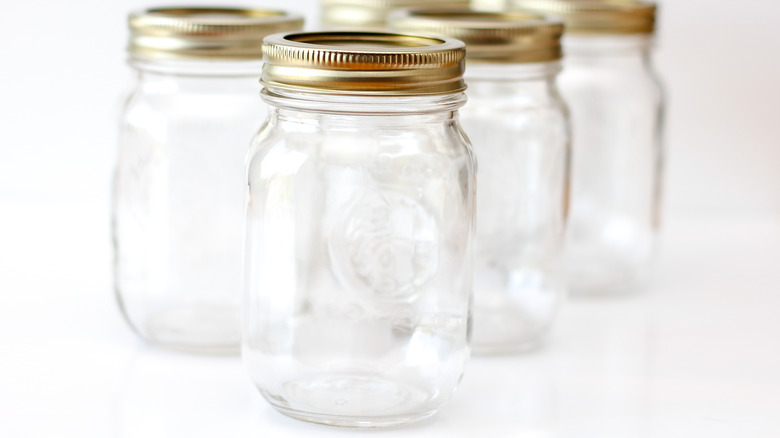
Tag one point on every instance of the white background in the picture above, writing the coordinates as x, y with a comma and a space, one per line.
63, 73
696, 355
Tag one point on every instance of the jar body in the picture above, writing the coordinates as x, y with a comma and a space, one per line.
518, 127
616, 105
358, 263
178, 201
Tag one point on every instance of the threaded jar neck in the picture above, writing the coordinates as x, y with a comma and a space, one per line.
542, 71
198, 68
363, 105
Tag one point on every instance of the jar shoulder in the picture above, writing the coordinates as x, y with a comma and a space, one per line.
174, 119
551, 108
516, 113
370, 143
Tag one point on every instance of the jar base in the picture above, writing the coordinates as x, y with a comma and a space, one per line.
609, 280
203, 350
352, 401
507, 348
503, 326
199, 330
356, 422
597, 269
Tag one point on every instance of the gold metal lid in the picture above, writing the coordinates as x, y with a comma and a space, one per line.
205, 33
370, 13
363, 63
516, 37
597, 16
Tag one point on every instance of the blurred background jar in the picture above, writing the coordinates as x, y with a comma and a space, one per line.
179, 181
519, 130
359, 228
616, 106
369, 14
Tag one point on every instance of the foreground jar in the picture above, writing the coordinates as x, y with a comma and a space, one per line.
359, 228
616, 109
369, 14
519, 130
178, 189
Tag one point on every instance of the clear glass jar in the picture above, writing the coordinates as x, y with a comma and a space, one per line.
519, 129
359, 229
178, 190
616, 106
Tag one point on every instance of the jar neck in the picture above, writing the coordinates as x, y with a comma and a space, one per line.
608, 49
541, 72
177, 76
531, 82
217, 68
430, 107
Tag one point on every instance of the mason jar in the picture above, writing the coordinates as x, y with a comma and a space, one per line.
369, 14
616, 106
178, 195
519, 129
360, 221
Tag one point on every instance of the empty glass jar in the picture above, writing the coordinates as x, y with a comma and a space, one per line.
178, 202
616, 110
359, 228
519, 130
369, 14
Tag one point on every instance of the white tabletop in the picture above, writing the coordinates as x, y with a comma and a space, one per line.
696, 354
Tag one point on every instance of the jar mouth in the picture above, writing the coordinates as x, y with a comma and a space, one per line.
363, 63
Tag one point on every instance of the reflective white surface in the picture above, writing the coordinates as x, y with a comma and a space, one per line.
697, 354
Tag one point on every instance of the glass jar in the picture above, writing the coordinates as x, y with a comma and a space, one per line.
369, 14
178, 190
616, 106
359, 228
518, 126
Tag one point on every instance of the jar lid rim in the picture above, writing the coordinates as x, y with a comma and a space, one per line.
597, 16
512, 37
363, 62
205, 32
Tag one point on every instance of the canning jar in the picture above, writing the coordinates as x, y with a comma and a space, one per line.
519, 130
369, 14
616, 107
178, 203
359, 228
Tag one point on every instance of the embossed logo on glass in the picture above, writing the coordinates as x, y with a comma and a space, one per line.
386, 242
